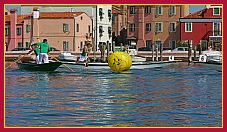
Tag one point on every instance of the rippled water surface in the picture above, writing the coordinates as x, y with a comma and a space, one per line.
177, 95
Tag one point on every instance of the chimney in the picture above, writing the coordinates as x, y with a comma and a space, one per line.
13, 28
35, 25
35, 12
13, 10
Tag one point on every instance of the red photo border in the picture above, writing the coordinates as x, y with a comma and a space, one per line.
2, 62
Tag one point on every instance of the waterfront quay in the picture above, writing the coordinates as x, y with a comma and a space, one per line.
13, 55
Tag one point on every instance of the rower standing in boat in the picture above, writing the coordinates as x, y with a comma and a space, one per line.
44, 50
36, 48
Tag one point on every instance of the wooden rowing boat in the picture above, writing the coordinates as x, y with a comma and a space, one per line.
39, 67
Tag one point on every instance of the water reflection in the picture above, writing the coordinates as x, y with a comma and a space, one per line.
173, 96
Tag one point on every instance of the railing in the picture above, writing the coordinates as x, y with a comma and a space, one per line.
212, 33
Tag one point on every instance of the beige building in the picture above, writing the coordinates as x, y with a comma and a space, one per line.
155, 24
65, 31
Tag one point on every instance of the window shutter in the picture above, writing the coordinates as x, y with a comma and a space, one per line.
156, 27
170, 10
216, 11
156, 10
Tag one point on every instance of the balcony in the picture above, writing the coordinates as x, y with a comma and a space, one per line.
215, 35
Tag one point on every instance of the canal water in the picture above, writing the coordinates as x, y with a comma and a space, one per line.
175, 96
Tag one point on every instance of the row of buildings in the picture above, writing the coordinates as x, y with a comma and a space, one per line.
69, 28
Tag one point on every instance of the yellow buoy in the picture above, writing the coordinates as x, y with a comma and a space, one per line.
120, 61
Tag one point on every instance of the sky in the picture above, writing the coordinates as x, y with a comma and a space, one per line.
193, 8
13, 7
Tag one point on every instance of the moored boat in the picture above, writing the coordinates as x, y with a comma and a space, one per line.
211, 59
66, 56
39, 67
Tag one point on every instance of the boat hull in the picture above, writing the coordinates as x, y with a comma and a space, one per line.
39, 67
135, 65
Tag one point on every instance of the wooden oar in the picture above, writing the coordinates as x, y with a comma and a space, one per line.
62, 63
19, 59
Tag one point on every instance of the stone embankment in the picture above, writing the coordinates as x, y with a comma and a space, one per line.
13, 55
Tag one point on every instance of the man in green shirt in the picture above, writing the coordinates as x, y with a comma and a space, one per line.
36, 48
44, 50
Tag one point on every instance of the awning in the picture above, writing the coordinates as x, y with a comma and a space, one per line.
133, 43
131, 38
215, 38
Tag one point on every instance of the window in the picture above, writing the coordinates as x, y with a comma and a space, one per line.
172, 10
216, 29
28, 28
65, 45
77, 27
100, 31
132, 9
27, 44
65, 27
81, 46
158, 27
148, 27
132, 27
19, 31
216, 11
100, 13
172, 44
81, 18
158, 10
158, 44
6, 31
172, 27
148, 44
89, 28
20, 45
147, 9
188, 27
109, 14
109, 30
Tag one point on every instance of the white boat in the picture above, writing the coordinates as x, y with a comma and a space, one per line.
66, 56
211, 59
137, 62
135, 65
138, 59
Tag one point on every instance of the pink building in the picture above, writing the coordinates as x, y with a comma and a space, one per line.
65, 31
13, 30
203, 27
